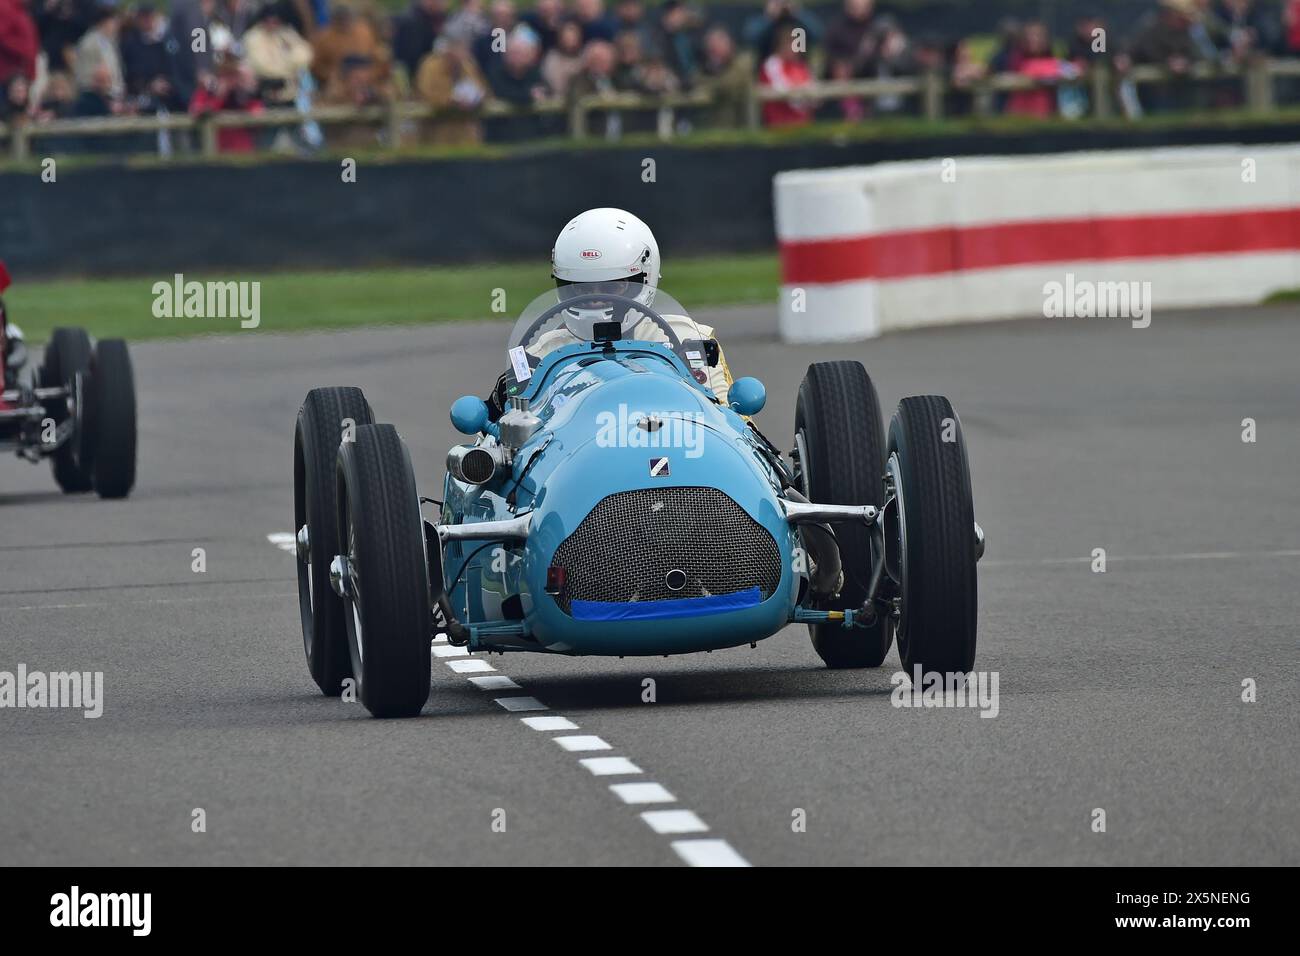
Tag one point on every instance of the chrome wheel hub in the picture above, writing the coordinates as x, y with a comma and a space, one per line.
341, 576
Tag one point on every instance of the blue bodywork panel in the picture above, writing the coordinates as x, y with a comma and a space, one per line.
588, 398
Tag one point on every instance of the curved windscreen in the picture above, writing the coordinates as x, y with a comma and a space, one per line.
584, 311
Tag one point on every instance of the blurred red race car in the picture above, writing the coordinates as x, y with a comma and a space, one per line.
77, 409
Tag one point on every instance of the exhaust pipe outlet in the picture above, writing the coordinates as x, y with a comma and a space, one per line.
475, 464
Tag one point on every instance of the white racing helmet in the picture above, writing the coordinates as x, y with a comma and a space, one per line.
608, 246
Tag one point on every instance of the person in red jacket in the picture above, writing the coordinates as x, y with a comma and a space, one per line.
1291, 25
1038, 62
19, 43
233, 88
786, 69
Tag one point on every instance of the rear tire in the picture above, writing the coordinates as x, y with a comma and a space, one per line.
67, 355
838, 426
388, 607
111, 422
937, 628
322, 421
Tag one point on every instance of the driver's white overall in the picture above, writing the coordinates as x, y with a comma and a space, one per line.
684, 327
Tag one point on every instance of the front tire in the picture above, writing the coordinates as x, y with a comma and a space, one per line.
112, 424
326, 416
839, 432
387, 602
936, 629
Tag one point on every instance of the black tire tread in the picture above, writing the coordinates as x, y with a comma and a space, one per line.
317, 436
839, 412
381, 495
114, 441
941, 578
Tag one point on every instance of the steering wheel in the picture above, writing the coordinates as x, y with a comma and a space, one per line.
604, 300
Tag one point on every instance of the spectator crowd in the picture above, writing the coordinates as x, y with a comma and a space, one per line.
99, 58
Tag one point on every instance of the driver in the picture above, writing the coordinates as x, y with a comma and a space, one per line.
610, 246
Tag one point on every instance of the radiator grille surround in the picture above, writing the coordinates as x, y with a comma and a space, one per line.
631, 543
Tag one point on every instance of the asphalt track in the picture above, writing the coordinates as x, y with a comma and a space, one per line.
1118, 690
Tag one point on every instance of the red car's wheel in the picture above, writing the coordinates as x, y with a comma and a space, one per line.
67, 364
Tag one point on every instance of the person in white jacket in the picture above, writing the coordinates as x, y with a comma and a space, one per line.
278, 56
96, 51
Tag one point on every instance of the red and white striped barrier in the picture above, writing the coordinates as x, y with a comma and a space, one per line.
865, 250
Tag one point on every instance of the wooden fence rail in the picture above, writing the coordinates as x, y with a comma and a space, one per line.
1257, 79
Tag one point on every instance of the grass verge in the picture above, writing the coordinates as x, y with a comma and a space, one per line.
1283, 296
308, 301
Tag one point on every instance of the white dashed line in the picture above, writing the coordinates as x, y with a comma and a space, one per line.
579, 743
521, 703
674, 821
694, 852
1177, 556
549, 723
284, 540
642, 793
137, 602
472, 665
708, 853
492, 682
607, 766
449, 650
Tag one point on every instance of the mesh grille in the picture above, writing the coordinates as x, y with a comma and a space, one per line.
477, 466
623, 550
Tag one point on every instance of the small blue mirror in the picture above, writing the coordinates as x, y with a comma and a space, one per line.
469, 415
747, 396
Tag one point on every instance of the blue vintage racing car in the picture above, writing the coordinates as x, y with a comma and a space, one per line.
623, 503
